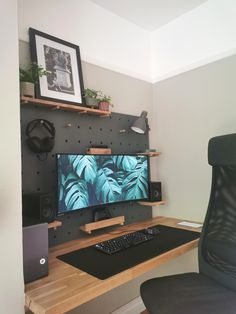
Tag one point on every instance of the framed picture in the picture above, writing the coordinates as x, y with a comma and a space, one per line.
62, 59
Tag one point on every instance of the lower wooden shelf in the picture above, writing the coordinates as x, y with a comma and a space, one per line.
88, 228
152, 203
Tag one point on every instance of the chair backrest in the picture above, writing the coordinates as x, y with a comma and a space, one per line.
217, 247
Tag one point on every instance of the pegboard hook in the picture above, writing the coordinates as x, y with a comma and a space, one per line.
123, 131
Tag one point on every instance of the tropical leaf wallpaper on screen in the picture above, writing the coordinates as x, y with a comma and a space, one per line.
90, 180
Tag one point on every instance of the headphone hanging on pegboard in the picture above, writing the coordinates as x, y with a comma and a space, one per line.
37, 143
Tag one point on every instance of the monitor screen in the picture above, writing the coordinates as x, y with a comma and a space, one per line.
92, 180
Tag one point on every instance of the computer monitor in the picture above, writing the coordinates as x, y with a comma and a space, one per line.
94, 180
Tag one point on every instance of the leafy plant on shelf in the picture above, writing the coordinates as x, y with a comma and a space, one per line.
91, 97
104, 101
32, 73
96, 98
92, 93
104, 98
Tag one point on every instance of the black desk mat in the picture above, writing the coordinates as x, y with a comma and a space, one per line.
102, 265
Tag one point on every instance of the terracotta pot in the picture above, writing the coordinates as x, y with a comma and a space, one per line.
27, 89
104, 105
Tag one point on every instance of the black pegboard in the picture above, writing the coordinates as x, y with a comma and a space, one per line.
74, 134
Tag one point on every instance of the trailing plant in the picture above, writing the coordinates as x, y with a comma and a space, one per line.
32, 73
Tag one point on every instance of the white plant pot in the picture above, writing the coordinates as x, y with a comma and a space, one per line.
27, 89
91, 102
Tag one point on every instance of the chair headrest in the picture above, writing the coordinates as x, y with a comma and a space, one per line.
222, 150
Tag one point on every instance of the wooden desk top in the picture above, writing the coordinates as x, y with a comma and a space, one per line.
67, 287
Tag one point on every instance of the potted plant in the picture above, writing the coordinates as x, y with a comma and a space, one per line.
104, 102
91, 97
29, 77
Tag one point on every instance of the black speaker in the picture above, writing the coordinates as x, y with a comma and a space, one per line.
155, 192
35, 251
39, 206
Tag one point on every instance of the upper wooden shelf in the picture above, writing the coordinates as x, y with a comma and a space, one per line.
63, 106
150, 154
152, 203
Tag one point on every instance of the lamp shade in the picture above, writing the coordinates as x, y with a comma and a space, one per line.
140, 125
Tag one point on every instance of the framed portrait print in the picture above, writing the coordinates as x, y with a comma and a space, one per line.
64, 83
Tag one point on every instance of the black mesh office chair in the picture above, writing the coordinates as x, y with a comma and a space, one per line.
213, 289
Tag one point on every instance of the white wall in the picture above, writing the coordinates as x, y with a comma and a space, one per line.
190, 109
104, 38
201, 36
11, 271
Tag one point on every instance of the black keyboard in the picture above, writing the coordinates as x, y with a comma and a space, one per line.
123, 242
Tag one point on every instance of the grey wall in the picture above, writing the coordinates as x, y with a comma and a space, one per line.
40, 175
190, 109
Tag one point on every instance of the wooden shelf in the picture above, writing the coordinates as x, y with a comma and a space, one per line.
88, 228
63, 106
150, 154
55, 224
152, 203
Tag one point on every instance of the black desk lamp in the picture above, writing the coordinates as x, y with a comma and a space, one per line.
141, 125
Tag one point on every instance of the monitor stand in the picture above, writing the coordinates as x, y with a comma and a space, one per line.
101, 214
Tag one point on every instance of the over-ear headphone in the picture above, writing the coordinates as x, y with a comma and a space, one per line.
37, 144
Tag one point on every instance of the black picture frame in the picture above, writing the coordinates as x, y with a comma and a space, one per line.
65, 82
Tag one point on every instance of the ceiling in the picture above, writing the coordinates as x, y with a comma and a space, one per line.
149, 14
